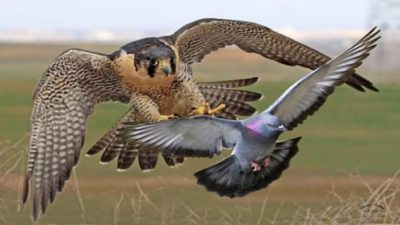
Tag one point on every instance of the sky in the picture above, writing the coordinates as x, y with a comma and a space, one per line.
149, 15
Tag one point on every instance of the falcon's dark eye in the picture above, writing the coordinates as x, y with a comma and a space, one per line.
153, 62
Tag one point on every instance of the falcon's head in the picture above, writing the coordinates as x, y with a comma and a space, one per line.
148, 57
156, 60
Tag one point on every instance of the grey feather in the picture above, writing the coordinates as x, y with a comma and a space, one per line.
306, 96
179, 137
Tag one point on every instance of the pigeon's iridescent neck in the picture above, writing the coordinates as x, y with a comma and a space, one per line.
256, 125
263, 124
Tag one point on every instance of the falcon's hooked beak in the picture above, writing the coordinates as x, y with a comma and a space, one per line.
165, 67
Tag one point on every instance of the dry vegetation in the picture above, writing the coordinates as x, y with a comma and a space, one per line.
378, 204
10, 161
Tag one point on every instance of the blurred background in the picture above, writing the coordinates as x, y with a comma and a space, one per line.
348, 155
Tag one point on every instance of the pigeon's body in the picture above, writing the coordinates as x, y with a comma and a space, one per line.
257, 158
257, 141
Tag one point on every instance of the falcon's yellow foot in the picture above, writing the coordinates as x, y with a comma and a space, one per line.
216, 109
206, 110
166, 117
201, 110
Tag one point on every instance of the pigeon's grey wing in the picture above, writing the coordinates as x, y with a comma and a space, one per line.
63, 100
201, 136
306, 96
199, 38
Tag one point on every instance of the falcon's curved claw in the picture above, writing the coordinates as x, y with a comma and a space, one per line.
206, 110
166, 117
216, 109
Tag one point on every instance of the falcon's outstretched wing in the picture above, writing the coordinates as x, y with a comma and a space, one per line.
63, 99
305, 96
199, 38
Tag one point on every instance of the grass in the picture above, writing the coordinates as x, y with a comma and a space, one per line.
379, 206
352, 132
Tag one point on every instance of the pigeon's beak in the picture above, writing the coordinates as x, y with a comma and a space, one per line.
282, 128
165, 67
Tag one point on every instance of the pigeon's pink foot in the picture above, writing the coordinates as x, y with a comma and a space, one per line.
266, 161
255, 166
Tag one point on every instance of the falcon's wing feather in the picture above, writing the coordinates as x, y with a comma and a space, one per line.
185, 137
235, 100
199, 38
63, 99
306, 96
109, 141
226, 84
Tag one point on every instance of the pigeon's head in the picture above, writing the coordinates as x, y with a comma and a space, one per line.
273, 124
266, 124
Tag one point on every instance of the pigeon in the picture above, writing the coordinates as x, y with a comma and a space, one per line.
258, 158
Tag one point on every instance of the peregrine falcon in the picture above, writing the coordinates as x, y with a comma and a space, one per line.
77, 80
155, 76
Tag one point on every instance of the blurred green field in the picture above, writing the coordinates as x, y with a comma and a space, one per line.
353, 132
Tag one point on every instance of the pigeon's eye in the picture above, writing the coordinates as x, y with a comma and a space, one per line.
153, 62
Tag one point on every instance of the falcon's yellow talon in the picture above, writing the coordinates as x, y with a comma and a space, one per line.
165, 117
216, 109
202, 110
206, 110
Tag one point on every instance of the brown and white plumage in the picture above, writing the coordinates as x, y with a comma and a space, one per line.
197, 39
65, 97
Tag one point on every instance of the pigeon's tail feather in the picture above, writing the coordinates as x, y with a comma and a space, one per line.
227, 179
221, 177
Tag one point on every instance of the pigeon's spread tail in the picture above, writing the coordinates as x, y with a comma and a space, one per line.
227, 179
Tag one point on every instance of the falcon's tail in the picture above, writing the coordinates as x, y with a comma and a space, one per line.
227, 179
235, 100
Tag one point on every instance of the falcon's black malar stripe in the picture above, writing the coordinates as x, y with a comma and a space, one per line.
151, 70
